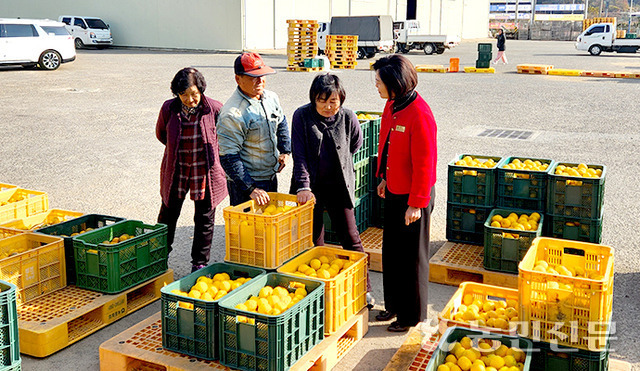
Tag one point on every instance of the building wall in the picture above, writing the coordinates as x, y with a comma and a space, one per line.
192, 24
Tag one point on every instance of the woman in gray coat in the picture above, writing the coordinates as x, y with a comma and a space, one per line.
324, 138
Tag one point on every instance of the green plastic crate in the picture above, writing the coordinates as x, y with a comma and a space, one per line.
472, 185
364, 151
363, 177
312, 62
114, 268
9, 341
273, 342
504, 254
556, 357
66, 229
465, 223
585, 200
374, 123
195, 331
522, 189
485, 56
483, 64
570, 228
485, 47
454, 334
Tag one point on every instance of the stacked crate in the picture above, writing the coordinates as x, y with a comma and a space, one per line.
368, 205
520, 187
302, 43
342, 51
484, 55
471, 195
575, 204
586, 23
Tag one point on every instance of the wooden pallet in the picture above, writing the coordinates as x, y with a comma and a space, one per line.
532, 72
140, 348
59, 319
455, 263
372, 244
344, 67
564, 72
304, 69
479, 70
597, 74
431, 68
416, 351
534, 67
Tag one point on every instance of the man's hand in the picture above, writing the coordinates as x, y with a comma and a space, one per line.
381, 187
412, 214
305, 196
260, 196
282, 160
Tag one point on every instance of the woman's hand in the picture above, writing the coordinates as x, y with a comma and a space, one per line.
412, 214
260, 196
381, 187
305, 196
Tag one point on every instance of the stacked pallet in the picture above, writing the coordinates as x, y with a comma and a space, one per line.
342, 51
586, 23
302, 44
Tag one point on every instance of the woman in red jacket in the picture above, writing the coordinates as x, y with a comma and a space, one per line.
407, 154
190, 166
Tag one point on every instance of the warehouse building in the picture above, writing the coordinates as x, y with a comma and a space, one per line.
246, 24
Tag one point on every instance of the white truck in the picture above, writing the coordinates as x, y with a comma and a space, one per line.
375, 33
601, 37
408, 36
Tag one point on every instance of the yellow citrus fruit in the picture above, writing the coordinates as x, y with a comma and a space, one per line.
303, 268
265, 292
241, 306
464, 363
324, 274
301, 292
497, 362
323, 259
207, 296
467, 299
470, 354
451, 358
443, 368
220, 294
195, 294
315, 264
465, 342
251, 305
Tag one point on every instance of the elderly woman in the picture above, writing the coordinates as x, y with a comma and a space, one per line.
407, 156
187, 127
324, 138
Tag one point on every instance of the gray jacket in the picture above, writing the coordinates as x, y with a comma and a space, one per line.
306, 141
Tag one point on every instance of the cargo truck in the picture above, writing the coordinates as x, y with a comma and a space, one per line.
601, 37
375, 33
408, 36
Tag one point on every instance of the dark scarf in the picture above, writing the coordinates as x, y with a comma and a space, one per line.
402, 102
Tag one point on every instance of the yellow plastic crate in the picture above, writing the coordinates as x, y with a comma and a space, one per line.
19, 203
346, 293
267, 241
477, 291
41, 220
576, 315
479, 70
8, 232
34, 263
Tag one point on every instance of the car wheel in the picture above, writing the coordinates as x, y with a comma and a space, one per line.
440, 51
595, 49
361, 53
79, 43
429, 48
50, 60
371, 55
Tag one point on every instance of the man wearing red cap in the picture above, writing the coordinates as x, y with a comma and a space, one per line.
253, 135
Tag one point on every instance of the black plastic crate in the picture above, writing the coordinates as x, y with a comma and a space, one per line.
485, 56
77, 226
485, 47
466, 223
522, 189
483, 64
570, 228
576, 196
555, 357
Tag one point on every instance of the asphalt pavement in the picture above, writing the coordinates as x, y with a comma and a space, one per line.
85, 134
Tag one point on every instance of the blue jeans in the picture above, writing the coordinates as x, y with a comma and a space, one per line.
237, 196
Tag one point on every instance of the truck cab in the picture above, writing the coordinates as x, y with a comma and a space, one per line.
88, 31
601, 37
408, 35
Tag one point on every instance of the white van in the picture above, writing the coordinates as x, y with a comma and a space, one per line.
31, 42
88, 31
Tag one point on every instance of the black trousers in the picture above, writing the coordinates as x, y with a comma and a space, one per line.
236, 196
402, 247
203, 219
343, 220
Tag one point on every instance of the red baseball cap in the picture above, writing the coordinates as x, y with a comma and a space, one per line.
251, 64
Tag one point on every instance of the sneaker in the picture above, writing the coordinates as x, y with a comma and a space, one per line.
397, 327
197, 267
370, 300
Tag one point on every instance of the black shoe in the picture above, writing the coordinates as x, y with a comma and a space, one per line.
396, 327
385, 316
196, 267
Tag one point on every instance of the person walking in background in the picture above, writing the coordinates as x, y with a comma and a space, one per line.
324, 138
254, 136
187, 127
501, 47
407, 153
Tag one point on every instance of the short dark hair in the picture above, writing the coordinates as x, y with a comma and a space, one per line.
186, 78
324, 85
397, 74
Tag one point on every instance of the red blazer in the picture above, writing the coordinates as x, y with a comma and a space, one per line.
413, 152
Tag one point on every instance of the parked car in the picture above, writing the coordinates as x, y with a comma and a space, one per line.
601, 37
33, 42
88, 31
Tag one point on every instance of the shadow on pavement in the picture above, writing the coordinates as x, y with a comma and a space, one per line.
371, 360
